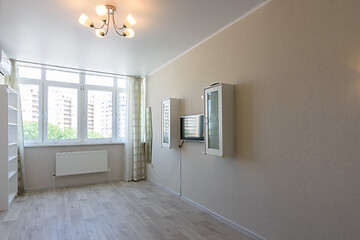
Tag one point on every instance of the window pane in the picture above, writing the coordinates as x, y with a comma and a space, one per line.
121, 83
62, 113
122, 114
68, 77
99, 80
29, 72
29, 95
166, 121
213, 115
99, 114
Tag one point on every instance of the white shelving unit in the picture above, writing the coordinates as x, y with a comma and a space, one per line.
219, 120
8, 147
170, 123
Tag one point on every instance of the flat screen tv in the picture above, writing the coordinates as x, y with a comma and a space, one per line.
192, 128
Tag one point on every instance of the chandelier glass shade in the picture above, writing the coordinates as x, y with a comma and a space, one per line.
106, 14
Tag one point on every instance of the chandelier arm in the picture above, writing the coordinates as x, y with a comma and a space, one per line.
99, 27
116, 30
107, 23
115, 26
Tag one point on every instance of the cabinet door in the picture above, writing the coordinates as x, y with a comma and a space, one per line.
165, 123
213, 121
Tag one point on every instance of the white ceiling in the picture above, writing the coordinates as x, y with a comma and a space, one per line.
47, 31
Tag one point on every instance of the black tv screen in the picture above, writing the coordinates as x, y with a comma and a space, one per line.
192, 128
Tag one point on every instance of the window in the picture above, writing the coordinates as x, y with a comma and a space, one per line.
121, 83
99, 114
68, 77
30, 111
30, 72
122, 114
99, 80
68, 106
62, 113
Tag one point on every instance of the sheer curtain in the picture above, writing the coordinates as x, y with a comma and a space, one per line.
135, 165
13, 82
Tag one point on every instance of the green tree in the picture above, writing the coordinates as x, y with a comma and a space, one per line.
70, 133
55, 132
31, 131
92, 134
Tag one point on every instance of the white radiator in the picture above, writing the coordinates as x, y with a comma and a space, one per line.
73, 163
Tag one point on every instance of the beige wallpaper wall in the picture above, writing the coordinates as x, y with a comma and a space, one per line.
296, 69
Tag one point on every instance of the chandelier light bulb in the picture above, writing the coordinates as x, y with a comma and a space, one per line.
100, 33
102, 12
84, 20
129, 21
129, 33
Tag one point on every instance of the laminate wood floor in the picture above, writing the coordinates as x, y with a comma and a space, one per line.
119, 210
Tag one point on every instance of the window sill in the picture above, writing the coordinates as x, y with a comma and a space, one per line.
34, 145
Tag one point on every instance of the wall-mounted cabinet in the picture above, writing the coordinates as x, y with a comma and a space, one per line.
170, 123
8, 147
219, 120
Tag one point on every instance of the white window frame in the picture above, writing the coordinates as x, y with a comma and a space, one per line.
37, 82
103, 89
46, 108
120, 90
82, 117
46, 85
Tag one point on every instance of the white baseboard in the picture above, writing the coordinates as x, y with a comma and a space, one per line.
165, 188
214, 214
69, 185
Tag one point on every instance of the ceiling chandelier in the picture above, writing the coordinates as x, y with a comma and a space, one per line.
106, 12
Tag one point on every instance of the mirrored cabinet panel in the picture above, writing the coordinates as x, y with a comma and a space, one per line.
219, 120
166, 122
170, 123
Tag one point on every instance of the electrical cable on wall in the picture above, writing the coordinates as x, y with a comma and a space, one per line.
180, 181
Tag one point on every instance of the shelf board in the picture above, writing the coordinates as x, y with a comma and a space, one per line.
12, 124
12, 108
12, 157
11, 197
12, 173
13, 143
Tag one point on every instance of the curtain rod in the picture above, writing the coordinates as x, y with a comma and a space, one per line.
75, 69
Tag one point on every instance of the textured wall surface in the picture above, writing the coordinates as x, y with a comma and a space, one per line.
296, 70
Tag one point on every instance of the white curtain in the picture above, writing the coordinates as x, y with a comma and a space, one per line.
13, 82
135, 165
